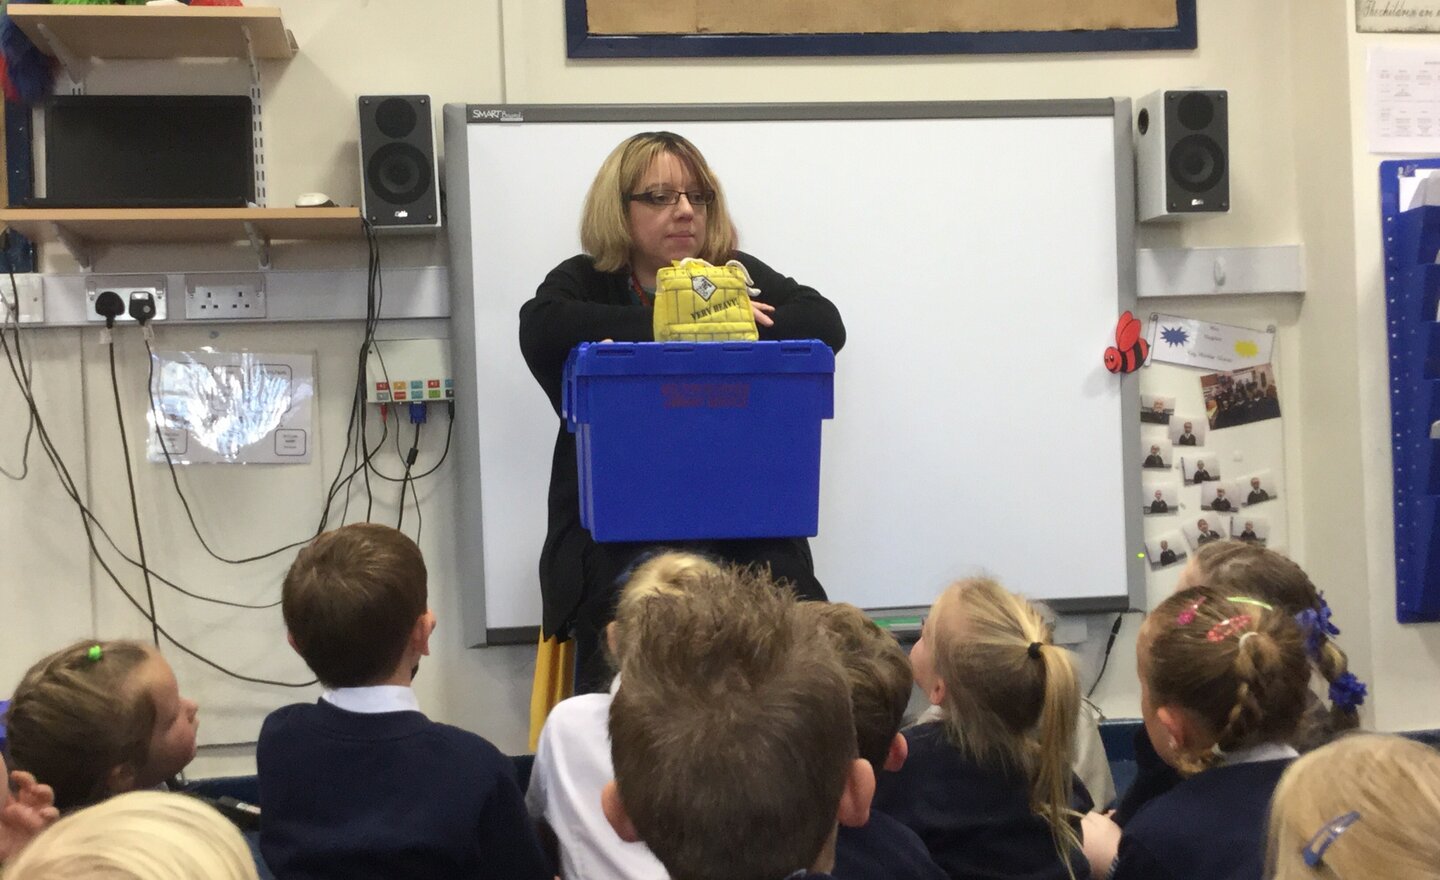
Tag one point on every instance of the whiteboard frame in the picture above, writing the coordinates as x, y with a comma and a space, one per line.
458, 118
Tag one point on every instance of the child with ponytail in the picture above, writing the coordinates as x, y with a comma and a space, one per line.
1223, 685
989, 788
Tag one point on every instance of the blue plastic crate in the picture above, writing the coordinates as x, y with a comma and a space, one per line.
699, 440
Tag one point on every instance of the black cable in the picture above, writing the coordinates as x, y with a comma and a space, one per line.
1109, 645
67, 483
409, 460
449, 432
14, 311
354, 437
124, 452
73, 494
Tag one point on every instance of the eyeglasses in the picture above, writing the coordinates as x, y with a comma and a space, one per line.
698, 198
1314, 851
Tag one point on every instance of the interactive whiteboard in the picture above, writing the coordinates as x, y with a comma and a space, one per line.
980, 254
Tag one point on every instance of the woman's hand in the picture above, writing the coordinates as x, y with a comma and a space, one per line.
762, 313
26, 815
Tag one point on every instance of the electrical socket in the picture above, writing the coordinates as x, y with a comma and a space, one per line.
225, 297
129, 288
31, 292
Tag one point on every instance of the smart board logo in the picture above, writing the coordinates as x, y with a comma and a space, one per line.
703, 286
478, 114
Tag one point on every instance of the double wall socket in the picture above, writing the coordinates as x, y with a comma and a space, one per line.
228, 297
129, 288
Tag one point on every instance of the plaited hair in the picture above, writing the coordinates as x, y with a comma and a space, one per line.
1004, 707
1239, 667
605, 222
350, 601
74, 719
730, 731
143, 835
879, 673
1242, 568
1392, 782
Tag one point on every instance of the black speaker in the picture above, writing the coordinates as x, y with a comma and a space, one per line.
398, 172
1182, 143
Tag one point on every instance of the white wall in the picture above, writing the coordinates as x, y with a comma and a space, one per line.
1288, 66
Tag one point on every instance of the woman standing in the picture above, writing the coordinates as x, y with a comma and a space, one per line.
653, 201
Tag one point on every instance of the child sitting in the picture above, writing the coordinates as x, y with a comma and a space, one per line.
1364, 806
1241, 569
880, 684
100, 718
731, 735
572, 759
143, 835
988, 789
360, 783
1223, 681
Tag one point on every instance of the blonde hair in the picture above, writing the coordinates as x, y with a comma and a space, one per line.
1011, 695
605, 221
1392, 782
668, 574
143, 835
76, 716
1247, 569
1235, 662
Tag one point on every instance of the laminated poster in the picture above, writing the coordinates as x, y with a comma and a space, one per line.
1192, 343
216, 407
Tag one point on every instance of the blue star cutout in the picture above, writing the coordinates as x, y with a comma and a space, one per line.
1174, 336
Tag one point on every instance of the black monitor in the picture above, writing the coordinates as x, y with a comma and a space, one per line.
150, 150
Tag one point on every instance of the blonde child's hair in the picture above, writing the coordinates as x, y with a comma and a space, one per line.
77, 715
1011, 695
1242, 568
605, 221
664, 575
143, 835
1237, 663
1392, 783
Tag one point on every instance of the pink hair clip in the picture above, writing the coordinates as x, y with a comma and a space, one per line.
1187, 617
1228, 627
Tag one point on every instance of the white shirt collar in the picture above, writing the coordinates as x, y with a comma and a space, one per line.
1262, 752
373, 700
615, 685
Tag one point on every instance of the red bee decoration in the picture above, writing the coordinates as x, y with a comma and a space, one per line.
1129, 351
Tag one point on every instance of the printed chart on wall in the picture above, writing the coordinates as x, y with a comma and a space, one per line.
1211, 445
216, 407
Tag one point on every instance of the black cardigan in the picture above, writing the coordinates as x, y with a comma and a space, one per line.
577, 303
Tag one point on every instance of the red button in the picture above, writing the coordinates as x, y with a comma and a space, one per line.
399, 395
433, 383
381, 386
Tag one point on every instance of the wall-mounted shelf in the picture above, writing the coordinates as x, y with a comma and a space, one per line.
80, 229
156, 31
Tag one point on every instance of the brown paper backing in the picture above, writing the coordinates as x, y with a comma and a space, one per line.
673, 17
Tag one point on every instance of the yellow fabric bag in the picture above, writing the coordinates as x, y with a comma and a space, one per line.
698, 302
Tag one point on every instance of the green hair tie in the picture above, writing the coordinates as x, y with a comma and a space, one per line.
94, 654
1245, 600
